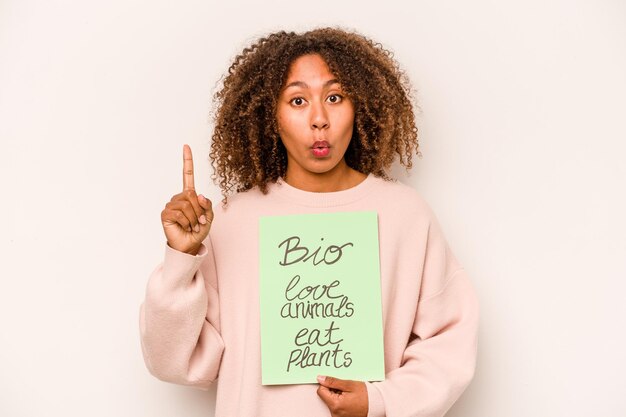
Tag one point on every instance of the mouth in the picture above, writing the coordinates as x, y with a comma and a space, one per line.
320, 149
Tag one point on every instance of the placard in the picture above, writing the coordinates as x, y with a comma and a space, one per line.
320, 300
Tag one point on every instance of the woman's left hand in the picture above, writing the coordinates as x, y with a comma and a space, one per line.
344, 398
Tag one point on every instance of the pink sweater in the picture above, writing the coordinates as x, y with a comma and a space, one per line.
200, 317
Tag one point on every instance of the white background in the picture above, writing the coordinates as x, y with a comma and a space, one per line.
522, 133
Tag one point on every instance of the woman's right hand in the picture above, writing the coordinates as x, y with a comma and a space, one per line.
187, 218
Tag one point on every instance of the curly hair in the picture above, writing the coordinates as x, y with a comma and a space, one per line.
246, 149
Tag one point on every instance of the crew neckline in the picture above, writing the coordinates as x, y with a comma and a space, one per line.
322, 199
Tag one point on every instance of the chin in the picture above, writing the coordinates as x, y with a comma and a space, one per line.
324, 167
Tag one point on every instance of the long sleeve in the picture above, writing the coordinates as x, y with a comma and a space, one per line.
439, 360
179, 319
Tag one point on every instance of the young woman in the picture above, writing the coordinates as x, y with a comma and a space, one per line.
308, 123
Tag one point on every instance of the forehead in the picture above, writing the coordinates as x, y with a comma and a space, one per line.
311, 67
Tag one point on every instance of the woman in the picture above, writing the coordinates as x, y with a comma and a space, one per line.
308, 123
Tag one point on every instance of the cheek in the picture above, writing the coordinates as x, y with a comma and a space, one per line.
282, 118
347, 121
285, 122
347, 116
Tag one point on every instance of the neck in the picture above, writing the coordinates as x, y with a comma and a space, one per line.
340, 178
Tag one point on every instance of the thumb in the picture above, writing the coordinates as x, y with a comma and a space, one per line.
204, 202
206, 205
335, 383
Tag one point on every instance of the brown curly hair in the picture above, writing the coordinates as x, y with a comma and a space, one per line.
246, 150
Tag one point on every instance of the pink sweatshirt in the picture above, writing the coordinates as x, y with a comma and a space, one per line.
200, 317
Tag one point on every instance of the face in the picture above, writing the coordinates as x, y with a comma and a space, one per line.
315, 119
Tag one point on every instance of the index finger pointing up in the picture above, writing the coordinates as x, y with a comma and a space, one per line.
188, 183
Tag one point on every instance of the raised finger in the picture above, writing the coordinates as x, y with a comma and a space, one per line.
188, 182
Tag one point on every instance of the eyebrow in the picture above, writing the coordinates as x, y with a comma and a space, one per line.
305, 85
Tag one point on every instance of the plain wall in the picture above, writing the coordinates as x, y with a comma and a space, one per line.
523, 142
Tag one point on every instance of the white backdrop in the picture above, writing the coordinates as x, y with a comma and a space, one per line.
522, 132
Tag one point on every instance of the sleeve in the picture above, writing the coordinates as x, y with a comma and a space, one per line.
179, 319
439, 360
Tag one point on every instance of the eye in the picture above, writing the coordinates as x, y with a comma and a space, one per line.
297, 101
334, 98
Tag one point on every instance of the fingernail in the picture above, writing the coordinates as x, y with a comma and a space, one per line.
202, 197
202, 219
196, 228
321, 378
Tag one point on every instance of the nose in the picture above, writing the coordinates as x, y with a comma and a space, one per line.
319, 118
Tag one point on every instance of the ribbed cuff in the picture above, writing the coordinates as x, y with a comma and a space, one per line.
376, 404
181, 265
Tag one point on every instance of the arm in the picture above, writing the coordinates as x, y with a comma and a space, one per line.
179, 319
439, 360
